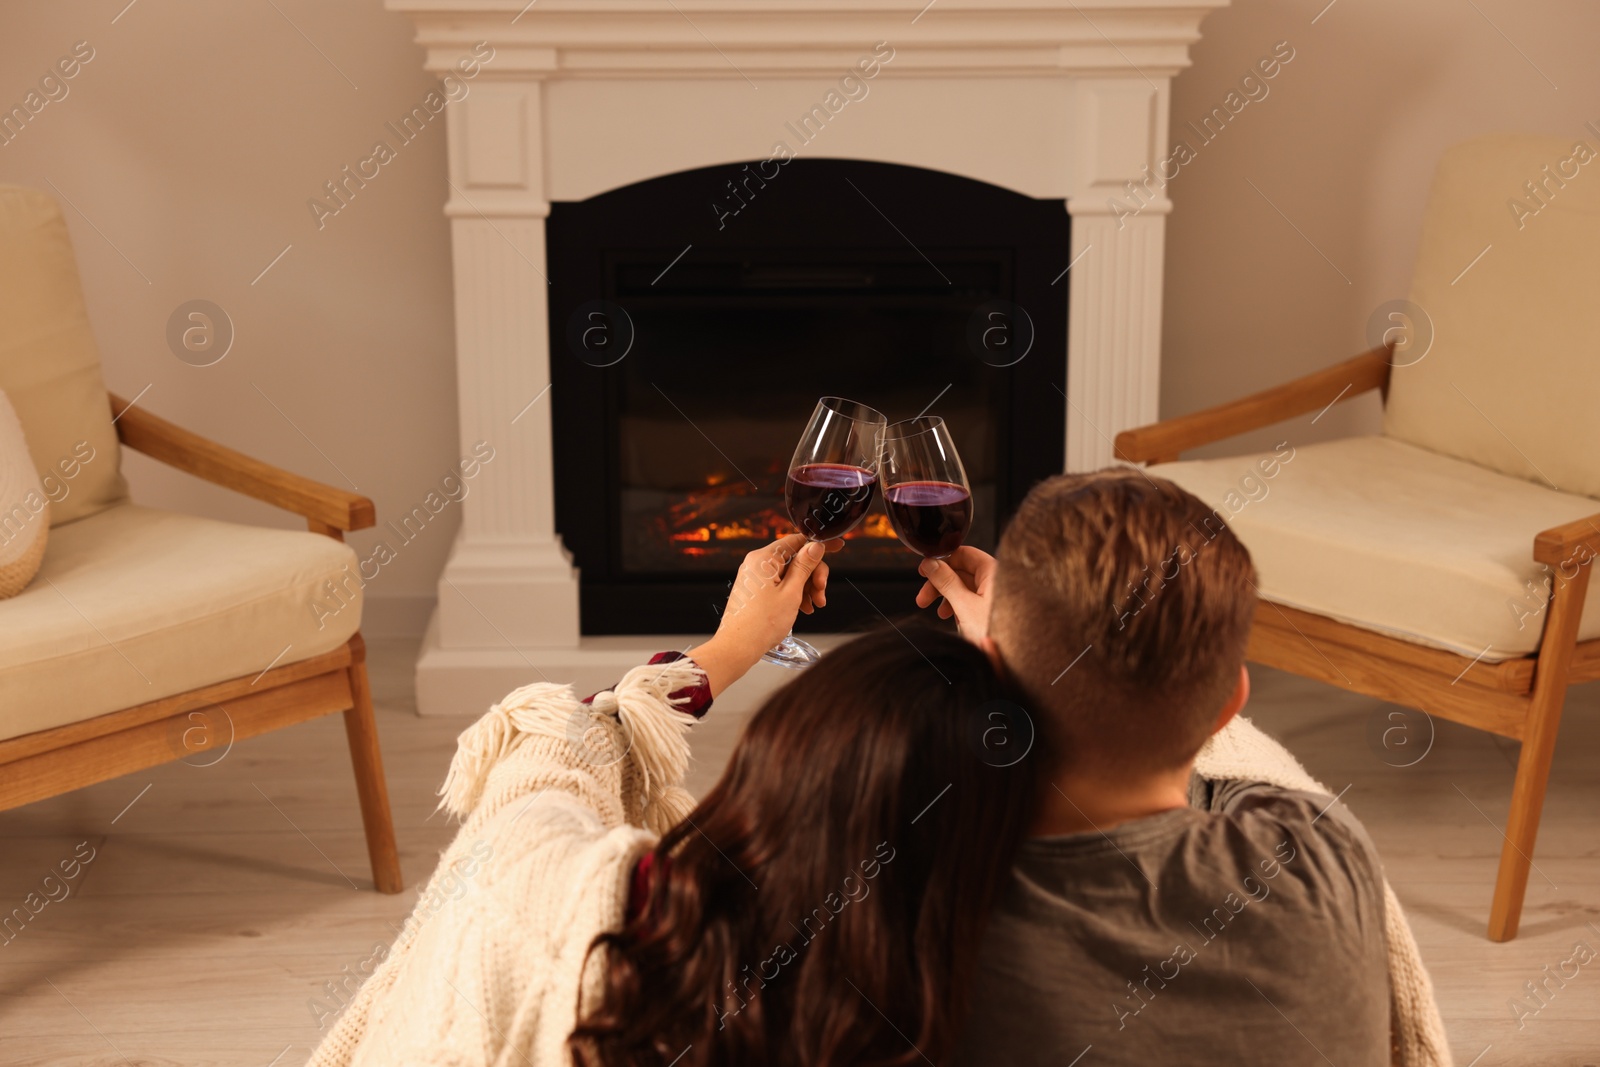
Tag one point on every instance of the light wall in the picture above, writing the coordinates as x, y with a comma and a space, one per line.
1344, 146
190, 144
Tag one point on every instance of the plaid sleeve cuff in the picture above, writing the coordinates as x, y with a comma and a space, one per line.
699, 701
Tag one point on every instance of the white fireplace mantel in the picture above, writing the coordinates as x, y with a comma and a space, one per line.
1050, 98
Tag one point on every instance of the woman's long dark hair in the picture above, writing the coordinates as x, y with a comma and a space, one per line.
823, 904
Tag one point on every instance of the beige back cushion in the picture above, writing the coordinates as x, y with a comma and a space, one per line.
1512, 381
49, 365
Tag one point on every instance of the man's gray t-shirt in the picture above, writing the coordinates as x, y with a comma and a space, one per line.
1246, 929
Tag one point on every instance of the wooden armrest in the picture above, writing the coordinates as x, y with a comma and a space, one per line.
1162, 442
1570, 545
324, 507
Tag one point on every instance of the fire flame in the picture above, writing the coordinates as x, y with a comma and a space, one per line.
703, 518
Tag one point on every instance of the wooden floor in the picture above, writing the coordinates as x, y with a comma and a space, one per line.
221, 899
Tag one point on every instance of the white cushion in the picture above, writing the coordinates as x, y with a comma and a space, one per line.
1512, 381
24, 508
1395, 538
49, 364
134, 604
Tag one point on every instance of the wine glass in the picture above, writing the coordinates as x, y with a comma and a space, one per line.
925, 487
831, 482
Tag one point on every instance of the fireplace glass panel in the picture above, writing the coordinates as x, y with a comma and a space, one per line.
725, 323
703, 443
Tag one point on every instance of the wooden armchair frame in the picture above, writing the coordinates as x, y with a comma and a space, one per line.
1519, 698
50, 762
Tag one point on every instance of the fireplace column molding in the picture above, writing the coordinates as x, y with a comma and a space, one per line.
1050, 98
507, 556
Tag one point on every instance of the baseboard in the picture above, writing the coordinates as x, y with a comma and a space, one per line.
466, 681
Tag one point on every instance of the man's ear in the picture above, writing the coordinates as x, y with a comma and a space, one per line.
992, 650
1236, 702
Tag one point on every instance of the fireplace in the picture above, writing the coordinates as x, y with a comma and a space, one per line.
689, 344
1055, 100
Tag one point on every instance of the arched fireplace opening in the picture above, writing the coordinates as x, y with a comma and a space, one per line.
694, 320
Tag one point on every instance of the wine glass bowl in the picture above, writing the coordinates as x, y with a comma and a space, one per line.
925, 490
829, 488
828, 500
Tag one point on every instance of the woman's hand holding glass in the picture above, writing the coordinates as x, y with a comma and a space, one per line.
773, 586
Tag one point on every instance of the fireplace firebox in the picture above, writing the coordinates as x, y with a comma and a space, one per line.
694, 320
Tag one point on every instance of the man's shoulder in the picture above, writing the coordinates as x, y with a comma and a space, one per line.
1306, 847
1321, 820
1254, 837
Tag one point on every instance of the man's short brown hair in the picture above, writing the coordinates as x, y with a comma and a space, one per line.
1122, 605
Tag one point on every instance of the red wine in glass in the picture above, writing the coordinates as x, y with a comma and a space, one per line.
831, 482
925, 487
931, 518
827, 500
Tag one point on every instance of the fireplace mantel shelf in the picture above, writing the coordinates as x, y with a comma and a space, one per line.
1050, 98
734, 38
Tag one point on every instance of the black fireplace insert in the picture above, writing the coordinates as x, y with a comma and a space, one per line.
697, 317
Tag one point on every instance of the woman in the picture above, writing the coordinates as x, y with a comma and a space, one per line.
822, 905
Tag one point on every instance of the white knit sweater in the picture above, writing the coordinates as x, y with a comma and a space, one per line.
490, 966
489, 969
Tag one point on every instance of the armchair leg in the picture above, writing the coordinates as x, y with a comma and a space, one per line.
1527, 805
362, 731
1538, 747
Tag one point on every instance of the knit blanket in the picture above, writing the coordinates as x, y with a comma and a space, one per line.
558, 800
1241, 751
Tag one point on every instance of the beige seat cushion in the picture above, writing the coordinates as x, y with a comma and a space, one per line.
1394, 538
1512, 381
134, 604
49, 365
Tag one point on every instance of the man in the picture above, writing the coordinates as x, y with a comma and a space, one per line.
1155, 915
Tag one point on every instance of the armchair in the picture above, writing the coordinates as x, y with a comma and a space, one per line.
146, 632
1437, 565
